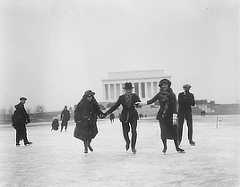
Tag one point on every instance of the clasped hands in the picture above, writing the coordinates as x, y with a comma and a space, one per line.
143, 103
102, 115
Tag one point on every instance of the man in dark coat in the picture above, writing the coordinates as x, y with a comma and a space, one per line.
128, 115
65, 117
185, 102
20, 119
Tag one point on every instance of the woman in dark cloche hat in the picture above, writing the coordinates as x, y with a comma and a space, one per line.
85, 117
167, 111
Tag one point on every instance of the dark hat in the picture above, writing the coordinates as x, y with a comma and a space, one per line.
164, 81
127, 86
89, 93
23, 98
187, 86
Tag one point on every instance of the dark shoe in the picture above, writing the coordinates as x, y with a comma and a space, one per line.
27, 143
90, 148
164, 150
127, 146
179, 150
85, 150
134, 150
192, 143
17, 144
86, 146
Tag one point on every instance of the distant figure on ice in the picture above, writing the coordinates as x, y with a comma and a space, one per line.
20, 118
55, 124
85, 116
129, 115
203, 113
185, 103
167, 113
112, 117
65, 117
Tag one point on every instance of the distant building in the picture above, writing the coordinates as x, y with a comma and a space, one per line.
227, 108
204, 105
145, 83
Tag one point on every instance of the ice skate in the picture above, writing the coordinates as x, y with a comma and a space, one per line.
127, 146
90, 148
179, 150
27, 143
164, 150
192, 143
134, 151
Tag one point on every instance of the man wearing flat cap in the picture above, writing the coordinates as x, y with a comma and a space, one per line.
20, 118
185, 103
129, 114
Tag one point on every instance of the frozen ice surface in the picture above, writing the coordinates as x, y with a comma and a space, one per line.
57, 159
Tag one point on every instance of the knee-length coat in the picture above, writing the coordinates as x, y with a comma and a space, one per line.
128, 102
19, 119
85, 116
168, 106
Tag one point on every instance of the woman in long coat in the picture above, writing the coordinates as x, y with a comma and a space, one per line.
167, 101
85, 116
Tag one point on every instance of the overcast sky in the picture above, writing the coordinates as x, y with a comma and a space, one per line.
53, 50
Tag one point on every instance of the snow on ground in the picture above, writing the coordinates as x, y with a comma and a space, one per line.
57, 159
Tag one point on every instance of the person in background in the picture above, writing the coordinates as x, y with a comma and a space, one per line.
185, 103
129, 114
55, 124
20, 118
112, 117
65, 117
85, 117
167, 114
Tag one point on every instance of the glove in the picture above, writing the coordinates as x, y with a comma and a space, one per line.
174, 116
175, 119
102, 116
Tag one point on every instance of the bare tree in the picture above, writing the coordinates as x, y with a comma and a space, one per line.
3, 113
10, 111
28, 110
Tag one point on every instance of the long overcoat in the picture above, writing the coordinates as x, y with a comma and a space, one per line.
19, 119
168, 106
85, 116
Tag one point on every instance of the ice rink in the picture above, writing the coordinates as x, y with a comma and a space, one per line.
57, 159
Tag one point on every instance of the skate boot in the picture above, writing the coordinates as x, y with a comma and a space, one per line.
127, 146
192, 143
164, 150
85, 147
90, 148
27, 143
179, 150
134, 151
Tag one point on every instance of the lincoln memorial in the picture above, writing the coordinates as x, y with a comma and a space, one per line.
145, 83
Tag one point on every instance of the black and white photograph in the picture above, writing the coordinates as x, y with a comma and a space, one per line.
119, 93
